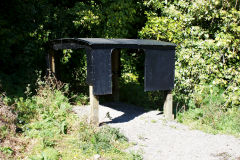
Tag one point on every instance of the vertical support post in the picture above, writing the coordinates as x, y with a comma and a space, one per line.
94, 104
168, 105
51, 61
115, 74
48, 63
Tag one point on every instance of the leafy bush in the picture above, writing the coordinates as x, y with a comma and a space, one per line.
207, 44
81, 99
209, 112
207, 75
48, 105
45, 117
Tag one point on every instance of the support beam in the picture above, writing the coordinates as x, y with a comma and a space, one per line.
94, 104
115, 74
51, 62
168, 105
47, 58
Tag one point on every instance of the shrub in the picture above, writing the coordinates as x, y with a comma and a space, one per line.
94, 141
208, 111
207, 38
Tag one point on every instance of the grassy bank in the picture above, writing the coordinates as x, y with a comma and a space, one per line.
208, 112
48, 130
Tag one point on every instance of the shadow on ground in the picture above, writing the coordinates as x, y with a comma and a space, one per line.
129, 112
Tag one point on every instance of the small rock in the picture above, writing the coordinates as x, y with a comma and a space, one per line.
96, 156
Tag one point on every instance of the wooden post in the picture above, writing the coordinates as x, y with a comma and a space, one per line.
168, 105
48, 63
94, 104
115, 74
51, 62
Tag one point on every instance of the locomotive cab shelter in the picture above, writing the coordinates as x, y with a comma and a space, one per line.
103, 59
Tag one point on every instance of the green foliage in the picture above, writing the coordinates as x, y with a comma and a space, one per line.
3, 132
81, 99
207, 75
51, 109
207, 36
52, 125
45, 117
208, 112
106, 18
27, 27
66, 55
132, 82
46, 154
6, 150
136, 156
133, 93
99, 141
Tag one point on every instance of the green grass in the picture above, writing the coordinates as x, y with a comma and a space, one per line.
208, 112
6, 150
53, 132
225, 122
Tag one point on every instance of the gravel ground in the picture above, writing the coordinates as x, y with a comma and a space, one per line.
158, 139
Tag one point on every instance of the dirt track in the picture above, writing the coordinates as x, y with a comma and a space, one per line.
158, 139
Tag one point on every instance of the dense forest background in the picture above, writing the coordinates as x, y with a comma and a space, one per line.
207, 34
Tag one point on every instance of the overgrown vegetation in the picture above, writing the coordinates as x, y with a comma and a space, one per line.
207, 75
51, 131
209, 113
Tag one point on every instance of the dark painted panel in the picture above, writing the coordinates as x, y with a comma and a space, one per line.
59, 46
89, 66
159, 70
101, 71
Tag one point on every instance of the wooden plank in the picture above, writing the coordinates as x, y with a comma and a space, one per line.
48, 63
168, 105
115, 74
52, 62
94, 104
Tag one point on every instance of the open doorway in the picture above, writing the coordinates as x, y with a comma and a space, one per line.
128, 80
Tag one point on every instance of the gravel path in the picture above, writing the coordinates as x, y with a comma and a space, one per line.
158, 139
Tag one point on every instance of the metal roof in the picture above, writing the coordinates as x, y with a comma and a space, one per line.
73, 43
159, 61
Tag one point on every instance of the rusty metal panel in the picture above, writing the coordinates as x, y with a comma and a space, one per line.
159, 70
